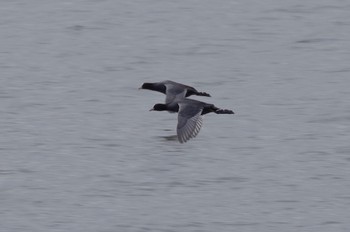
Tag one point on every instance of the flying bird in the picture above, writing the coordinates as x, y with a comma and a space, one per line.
174, 91
190, 119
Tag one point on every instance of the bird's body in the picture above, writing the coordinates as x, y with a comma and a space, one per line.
174, 91
189, 116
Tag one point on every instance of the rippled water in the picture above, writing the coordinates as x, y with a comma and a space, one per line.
79, 150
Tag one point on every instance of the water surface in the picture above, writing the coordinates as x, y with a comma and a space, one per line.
79, 150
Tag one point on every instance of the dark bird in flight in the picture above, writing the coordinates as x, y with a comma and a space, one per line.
190, 119
174, 91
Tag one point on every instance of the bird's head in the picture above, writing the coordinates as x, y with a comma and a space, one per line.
159, 107
146, 86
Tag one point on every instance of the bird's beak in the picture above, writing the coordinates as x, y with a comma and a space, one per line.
151, 109
140, 88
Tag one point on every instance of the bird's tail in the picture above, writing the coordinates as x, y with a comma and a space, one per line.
203, 94
223, 111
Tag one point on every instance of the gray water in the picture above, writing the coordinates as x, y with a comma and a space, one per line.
79, 150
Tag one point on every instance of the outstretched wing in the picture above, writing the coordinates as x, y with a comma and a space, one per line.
174, 93
189, 121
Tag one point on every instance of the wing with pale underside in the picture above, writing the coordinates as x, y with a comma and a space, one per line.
174, 93
189, 121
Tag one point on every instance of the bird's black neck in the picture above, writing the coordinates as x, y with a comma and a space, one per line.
166, 107
155, 87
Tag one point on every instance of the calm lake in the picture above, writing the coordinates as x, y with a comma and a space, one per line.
80, 150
